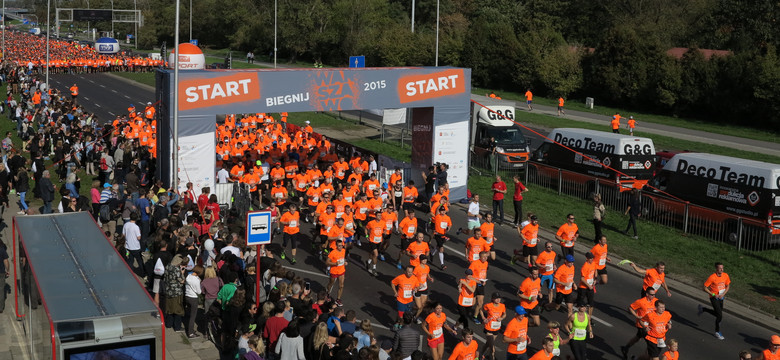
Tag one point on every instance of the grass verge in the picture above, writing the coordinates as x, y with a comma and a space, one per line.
146, 78
694, 124
321, 120
661, 142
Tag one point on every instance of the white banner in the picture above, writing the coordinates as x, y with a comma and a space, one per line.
394, 116
448, 148
196, 161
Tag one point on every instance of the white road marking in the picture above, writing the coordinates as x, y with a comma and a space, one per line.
102, 86
112, 90
111, 113
127, 97
602, 321
86, 98
480, 338
309, 272
455, 251
98, 105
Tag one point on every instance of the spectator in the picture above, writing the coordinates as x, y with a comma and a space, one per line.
173, 283
191, 292
290, 343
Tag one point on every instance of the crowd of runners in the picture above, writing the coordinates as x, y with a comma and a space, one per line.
332, 206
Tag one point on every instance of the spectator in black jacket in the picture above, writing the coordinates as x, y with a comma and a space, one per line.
406, 340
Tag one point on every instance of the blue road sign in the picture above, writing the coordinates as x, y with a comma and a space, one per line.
194, 42
357, 61
258, 228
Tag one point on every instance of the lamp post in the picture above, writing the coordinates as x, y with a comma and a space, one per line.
3, 29
48, 30
112, 18
135, 33
175, 149
190, 21
412, 16
436, 63
275, 1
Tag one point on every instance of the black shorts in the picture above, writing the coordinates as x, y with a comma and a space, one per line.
405, 243
398, 203
602, 271
641, 333
480, 290
535, 311
492, 332
585, 296
530, 251
569, 298
374, 246
653, 350
323, 239
292, 238
440, 240
420, 293
408, 206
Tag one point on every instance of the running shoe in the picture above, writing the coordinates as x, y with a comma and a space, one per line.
476, 321
293, 261
381, 257
338, 302
719, 335
283, 256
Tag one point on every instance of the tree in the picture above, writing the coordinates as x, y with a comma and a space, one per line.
560, 71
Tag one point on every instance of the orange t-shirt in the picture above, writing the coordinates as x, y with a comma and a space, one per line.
337, 257
517, 328
493, 314
474, 247
375, 229
405, 287
530, 287
361, 209
416, 249
466, 297
567, 232
480, 269
564, 274
327, 221
279, 193
435, 324
541, 354
717, 284
408, 227
588, 271
642, 307
421, 272
546, 262
442, 222
465, 352
653, 279
530, 235
293, 220
600, 256
657, 324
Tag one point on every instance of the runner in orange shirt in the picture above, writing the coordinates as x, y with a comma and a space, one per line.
410, 196
560, 106
404, 286
488, 233
588, 279
466, 349
279, 194
716, 286
466, 288
773, 352
408, 228
326, 220
672, 352
529, 292
492, 314
475, 245
433, 327
337, 263
422, 271
373, 231
291, 220
616, 123
529, 98
516, 335
479, 268
567, 235
417, 248
441, 224
530, 236
564, 287
631, 125
546, 264
658, 323
548, 345
638, 310
600, 252
654, 278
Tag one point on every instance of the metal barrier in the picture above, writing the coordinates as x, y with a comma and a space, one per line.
744, 233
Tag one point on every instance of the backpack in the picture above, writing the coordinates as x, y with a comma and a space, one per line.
103, 164
104, 213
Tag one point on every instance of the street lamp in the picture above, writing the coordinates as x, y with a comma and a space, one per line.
112, 18
275, 34
135, 33
175, 149
190, 21
412, 16
437, 34
48, 30
3, 29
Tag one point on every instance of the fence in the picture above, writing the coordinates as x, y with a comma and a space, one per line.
744, 233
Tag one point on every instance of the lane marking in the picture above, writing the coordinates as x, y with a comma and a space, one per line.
602, 321
455, 251
98, 105
102, 86
480, 338
127, 97
111, 113
309, 272
112, 90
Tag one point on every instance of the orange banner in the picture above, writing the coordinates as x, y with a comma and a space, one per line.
223, 90
428, 86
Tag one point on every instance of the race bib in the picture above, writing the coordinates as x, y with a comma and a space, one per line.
556, 352
437, 333
371, 187
721, 291
293, 223
495, 325
661, 343
377, 239
532, 241
363, 210
521, 346
388, 226
567, 287
424, 286
398, 194
279, 195
348, 198
580, 333
443, 224
548, 267
656, 286
340, 262
569, 243
338, 215
410, 230
407, 293
602, 262
589, 282
340, 173
468, 301
349, 226
474, 256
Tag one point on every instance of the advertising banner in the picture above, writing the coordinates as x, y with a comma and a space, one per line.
394, 116
449, 148
196, 161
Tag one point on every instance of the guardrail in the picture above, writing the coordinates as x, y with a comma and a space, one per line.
746, 234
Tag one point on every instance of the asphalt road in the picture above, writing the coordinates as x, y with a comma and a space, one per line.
372, 297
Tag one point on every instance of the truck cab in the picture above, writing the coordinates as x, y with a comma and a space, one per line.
495, 137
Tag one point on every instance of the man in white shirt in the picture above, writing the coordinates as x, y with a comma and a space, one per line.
231, 246
223, 175
472, 216
132, 234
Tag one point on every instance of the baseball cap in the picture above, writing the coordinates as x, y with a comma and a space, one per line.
387, 344
258, 163
520, 310
469, 272
775, 340
589, 255
533, 217
570, 258
106, 185
149, 103
308, 122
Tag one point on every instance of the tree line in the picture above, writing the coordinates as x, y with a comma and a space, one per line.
612, 50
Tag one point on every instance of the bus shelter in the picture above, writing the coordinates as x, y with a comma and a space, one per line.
76, 296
